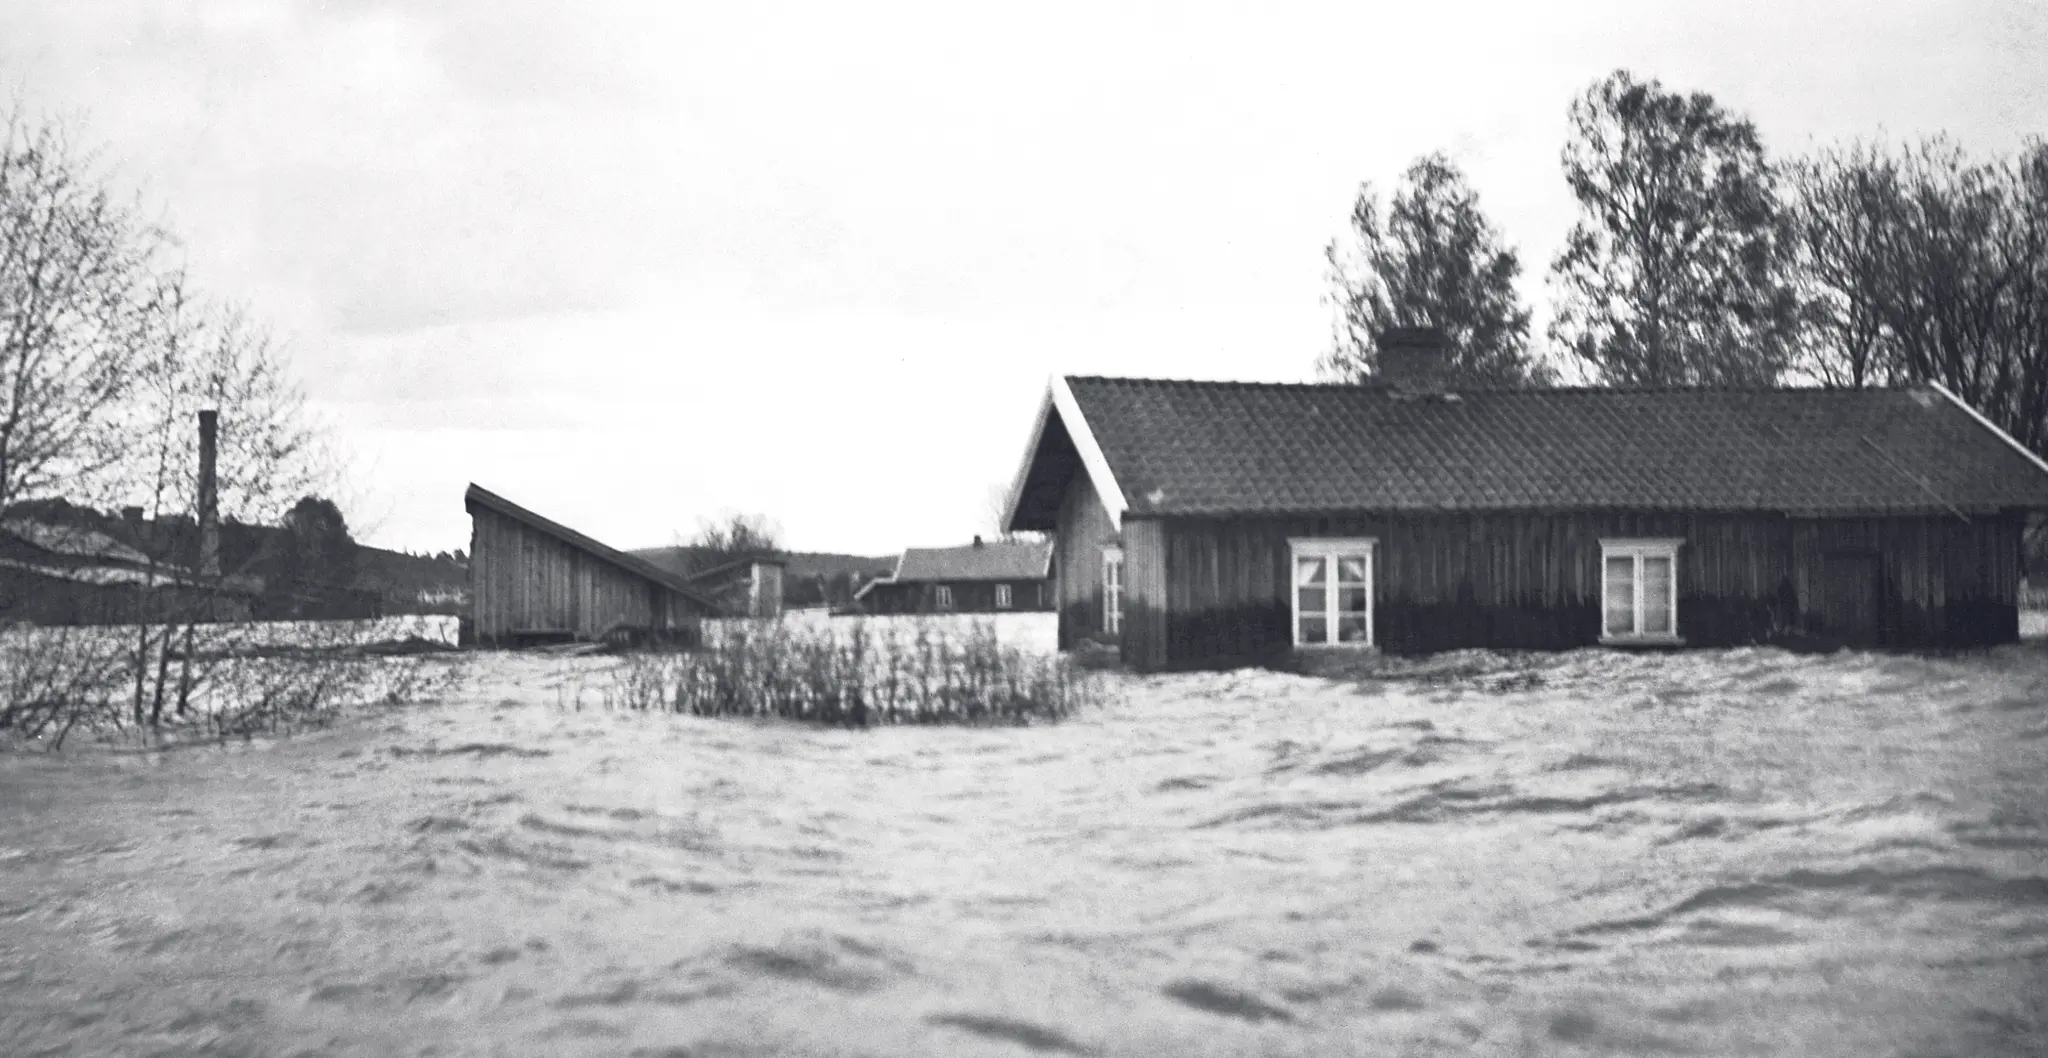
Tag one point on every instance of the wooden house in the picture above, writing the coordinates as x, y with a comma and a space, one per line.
535, 580
1217, 524
979, 578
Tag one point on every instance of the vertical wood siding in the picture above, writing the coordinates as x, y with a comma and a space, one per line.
1144, 639
523, 581
1533, 580
1084, 530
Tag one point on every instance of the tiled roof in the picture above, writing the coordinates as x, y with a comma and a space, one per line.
994, 560
1228, 448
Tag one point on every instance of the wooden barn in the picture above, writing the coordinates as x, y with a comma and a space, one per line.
535, 580
1217, 524
979, 578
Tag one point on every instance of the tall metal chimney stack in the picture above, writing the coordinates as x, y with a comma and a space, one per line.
209, 504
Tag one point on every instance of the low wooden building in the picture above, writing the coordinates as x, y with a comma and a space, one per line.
1209, 524
53, 574
535, 580
982, 577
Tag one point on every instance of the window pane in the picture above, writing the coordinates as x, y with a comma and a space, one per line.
1314, 628
1351, 600
1312, 600
1351, 569
1351, 628
1308, 570
1657, 590
1621, 595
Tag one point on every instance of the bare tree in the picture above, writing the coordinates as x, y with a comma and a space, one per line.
729, 537
994, 505
1843, 205
1921, 265
80, 274
200, 357
106, 359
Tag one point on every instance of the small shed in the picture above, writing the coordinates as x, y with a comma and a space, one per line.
532, 579
745, 587
982, 577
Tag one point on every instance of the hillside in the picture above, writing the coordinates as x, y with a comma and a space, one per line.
413, 583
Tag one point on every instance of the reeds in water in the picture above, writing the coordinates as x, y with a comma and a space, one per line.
855, 674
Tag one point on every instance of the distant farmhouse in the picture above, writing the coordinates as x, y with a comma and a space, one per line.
979, 578
532, 579
1214, 524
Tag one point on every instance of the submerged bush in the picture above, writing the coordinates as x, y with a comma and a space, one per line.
217, 681
855, 675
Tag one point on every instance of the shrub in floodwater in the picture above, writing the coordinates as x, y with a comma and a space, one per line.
53, 679
115, 680
854, 675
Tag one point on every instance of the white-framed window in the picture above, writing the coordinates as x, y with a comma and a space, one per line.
1002, 596
1332, 591
1639, 590
942, 597
1113, 590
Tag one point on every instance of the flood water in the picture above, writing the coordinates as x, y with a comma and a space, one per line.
1743, 852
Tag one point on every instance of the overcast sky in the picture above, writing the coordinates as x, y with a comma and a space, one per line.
633, 265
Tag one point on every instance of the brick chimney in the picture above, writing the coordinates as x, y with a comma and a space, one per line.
1414, 359
209, 512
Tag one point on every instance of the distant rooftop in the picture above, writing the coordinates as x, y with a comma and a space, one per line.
990, 560
73, 541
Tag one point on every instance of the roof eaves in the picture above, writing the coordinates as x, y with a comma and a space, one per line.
1996, 431
1099, 474
1023, 474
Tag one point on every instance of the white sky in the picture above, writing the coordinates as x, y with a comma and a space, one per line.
632, 265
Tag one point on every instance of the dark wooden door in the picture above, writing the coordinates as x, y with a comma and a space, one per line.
1849, 598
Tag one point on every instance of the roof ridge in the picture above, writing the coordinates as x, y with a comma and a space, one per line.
1497, 388
984, 544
